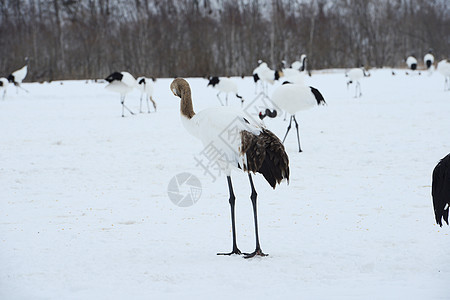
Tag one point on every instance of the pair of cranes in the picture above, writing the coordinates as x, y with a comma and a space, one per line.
124, 82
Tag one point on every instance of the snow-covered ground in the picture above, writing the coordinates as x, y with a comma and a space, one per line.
85, 213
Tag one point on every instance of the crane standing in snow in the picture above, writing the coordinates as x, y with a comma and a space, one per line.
18, 76
440, 190
294, 97
355, 75
145, 85
411, 61
428, 59
224, 85
122, 83
263, 74
255, 149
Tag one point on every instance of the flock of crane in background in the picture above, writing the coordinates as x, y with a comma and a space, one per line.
291, 96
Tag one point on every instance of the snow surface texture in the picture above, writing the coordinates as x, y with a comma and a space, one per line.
85, 214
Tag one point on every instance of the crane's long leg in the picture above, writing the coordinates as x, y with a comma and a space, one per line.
140, 105
148, 104
233, 222
220, 100
298, 134
289, 128
122, 99
154, 103
253, 197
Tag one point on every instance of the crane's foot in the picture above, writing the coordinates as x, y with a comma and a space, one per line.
255, 253
235, 251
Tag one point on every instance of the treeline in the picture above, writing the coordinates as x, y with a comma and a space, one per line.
77, 39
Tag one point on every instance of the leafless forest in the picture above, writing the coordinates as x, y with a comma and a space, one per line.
77, 39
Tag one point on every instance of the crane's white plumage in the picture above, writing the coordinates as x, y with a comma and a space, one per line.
294, 97
300, 65
292, 75
122, 83
411, 61
265, 73
225, 85
428, 60
220, 127
20, 74
145, 85
355, 75
444, 68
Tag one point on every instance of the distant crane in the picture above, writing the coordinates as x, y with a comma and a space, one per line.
265, 75
440, 190
428, 59
18, 76
255, 149
294, 97
122, 83
225, 85
355, 75
145, 85
411, 61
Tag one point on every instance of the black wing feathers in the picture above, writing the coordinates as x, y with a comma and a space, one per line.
265, 155
440, 190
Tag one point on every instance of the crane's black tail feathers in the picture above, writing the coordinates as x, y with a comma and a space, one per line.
319, 97
266, 155
440, 190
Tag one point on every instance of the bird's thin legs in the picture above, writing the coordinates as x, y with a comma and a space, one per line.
358, 87
289, 128
253, 197
226, 99
4, 95
148, 104
23, 88
122, 100
154, 103
220, 100
233, 222
298, 134
140, 105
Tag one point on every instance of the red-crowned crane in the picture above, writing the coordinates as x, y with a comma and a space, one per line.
355, 75
411, 61
18, 76
122, 83
254, 150
440, 190
225, 85
428, 59
145, 85
294, 97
